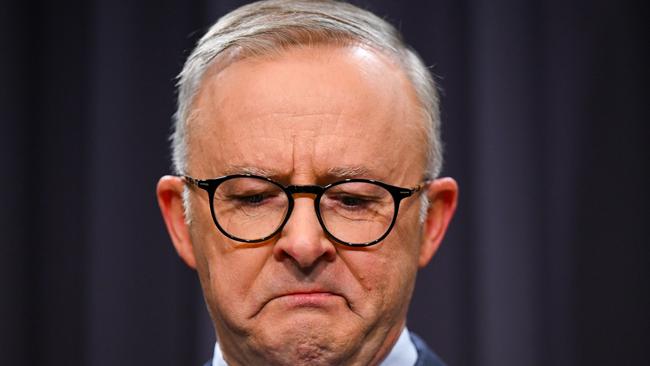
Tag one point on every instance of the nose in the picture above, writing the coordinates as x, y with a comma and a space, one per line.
302, 239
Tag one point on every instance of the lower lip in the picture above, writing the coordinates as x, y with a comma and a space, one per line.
312, 299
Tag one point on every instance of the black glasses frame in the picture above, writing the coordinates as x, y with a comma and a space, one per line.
210, 186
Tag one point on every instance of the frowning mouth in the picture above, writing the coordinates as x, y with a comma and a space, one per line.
308, 299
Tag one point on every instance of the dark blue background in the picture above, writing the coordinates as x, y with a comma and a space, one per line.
546, 128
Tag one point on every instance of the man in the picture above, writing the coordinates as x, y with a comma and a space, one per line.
306, 148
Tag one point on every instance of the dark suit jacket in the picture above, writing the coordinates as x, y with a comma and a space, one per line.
426, 357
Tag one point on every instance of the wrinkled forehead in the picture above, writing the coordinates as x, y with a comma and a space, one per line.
308, 98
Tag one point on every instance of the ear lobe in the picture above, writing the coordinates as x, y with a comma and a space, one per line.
443, 196
170, 199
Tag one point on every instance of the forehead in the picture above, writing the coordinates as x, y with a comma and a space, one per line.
317, 109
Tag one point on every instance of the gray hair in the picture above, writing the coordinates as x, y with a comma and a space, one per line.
271, 26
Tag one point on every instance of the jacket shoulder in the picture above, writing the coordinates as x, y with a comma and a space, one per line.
426, 357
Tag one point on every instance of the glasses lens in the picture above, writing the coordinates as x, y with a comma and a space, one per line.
357, 212
250, 208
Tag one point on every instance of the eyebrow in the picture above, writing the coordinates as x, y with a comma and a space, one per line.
241, 169
348, 172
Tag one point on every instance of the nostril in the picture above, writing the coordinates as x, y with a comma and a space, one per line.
303, 253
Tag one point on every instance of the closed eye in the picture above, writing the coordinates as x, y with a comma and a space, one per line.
351, 202
253, 200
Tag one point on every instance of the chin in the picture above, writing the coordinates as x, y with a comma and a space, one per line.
307, 339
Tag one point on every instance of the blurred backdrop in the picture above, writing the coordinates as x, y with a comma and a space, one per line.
546, 126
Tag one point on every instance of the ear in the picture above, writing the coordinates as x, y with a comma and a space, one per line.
170, 199
443, 195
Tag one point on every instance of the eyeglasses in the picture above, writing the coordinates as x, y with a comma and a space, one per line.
253, 209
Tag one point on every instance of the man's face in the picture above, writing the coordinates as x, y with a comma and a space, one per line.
307, 116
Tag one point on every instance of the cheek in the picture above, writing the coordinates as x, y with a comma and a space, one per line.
400, 261
228, 276
219, 278
406, 236
385, 277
